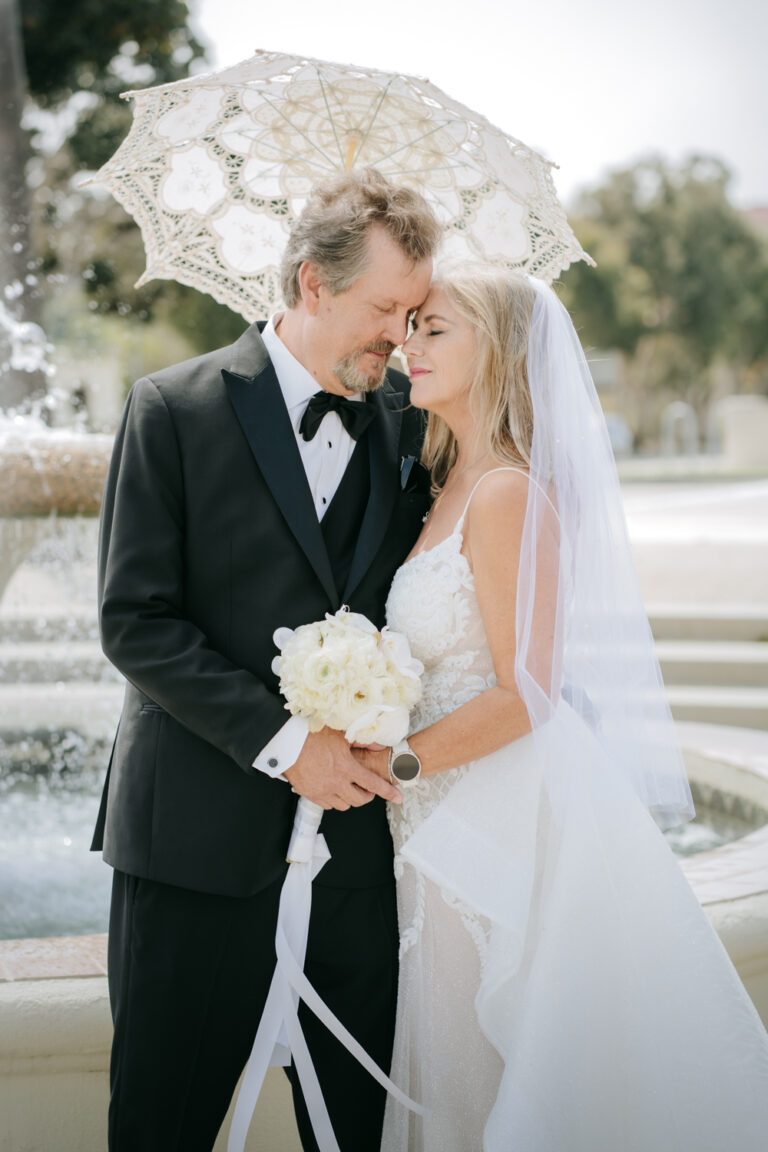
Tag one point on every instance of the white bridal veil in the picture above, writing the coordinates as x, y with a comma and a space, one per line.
582, 630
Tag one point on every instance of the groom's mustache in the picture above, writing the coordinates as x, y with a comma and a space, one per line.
384, 346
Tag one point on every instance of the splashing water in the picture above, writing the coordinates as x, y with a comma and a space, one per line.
24, 346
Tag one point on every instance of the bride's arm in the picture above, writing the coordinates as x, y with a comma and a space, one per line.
497, 716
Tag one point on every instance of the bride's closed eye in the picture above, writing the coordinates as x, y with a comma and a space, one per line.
428, 332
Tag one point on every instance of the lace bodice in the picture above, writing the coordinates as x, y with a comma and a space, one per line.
432, 601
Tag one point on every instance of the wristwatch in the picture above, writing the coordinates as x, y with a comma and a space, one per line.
404, 765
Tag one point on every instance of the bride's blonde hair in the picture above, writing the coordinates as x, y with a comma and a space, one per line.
498, 304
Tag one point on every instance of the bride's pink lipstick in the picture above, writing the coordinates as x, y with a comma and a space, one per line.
418, 372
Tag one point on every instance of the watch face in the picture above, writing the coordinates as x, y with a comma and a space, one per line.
405, 767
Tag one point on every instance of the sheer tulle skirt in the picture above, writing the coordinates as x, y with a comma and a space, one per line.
440, 1050
562, 990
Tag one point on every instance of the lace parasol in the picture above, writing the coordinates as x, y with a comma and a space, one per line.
216, 167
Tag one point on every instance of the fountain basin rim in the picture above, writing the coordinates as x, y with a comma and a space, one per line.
59, 471
731, 882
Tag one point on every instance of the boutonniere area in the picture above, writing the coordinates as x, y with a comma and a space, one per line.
414, 477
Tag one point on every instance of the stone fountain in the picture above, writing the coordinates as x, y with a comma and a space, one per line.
44, 473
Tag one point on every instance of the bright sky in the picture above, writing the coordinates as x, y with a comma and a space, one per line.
592, 84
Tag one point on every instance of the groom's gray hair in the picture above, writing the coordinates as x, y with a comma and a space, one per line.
332, 230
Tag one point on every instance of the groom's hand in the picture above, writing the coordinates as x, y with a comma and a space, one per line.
328, 773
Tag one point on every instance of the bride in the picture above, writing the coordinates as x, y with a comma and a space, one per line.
560, 988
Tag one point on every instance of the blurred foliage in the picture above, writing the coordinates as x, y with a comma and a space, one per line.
102, 47
681, 283
79, 58
72, 47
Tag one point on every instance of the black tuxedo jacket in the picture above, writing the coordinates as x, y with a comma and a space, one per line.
209, 542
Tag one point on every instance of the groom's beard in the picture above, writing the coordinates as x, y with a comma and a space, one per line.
356, 379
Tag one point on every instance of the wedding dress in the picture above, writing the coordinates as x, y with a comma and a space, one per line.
561, 989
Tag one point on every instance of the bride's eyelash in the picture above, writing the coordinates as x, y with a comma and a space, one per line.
435, 332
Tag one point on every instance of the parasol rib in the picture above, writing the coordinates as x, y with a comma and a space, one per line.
374, 114
331, 120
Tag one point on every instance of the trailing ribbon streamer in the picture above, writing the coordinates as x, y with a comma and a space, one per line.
279, 1037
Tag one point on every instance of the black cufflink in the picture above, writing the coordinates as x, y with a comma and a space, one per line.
272, 762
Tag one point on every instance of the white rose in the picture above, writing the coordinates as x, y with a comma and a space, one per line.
379, 726
281, 636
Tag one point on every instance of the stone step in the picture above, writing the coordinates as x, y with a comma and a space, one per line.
673, 621
709, 622
713, 662
739, 707
92, 709
44, 661
20, 628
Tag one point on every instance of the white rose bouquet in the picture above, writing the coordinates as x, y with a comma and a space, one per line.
342, 672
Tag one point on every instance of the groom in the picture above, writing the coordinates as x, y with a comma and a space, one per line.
253, 488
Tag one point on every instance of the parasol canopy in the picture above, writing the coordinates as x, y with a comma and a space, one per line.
216, 168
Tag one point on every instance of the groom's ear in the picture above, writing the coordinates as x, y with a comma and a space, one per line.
310, 287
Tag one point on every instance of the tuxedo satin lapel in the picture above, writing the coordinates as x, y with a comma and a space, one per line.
260, 408
383, 442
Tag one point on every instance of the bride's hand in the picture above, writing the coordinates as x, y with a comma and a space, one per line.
374, 757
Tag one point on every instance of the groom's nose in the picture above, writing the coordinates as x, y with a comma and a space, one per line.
396, 328
411, 346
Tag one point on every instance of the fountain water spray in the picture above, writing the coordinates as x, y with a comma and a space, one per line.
59, 699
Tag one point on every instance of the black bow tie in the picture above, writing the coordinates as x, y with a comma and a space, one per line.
354, 415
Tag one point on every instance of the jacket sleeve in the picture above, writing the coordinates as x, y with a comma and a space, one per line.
144, 631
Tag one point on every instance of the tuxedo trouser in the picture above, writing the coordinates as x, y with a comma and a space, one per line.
189, 974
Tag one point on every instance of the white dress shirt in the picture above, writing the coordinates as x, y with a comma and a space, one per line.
325, 459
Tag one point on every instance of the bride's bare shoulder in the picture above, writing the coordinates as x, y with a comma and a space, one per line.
495, 518
500, 494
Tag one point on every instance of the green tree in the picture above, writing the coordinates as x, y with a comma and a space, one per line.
102, 48
71, 62
18, 304
681, 283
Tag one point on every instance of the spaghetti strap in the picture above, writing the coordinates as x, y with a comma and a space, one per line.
490, 472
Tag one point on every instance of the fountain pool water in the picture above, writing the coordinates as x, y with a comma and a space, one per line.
722, 817
50, 884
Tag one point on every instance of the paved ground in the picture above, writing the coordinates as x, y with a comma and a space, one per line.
700, 542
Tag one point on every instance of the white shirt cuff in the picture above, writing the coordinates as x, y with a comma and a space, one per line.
283, 749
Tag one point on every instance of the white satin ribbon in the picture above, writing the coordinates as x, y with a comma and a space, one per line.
279, 1036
